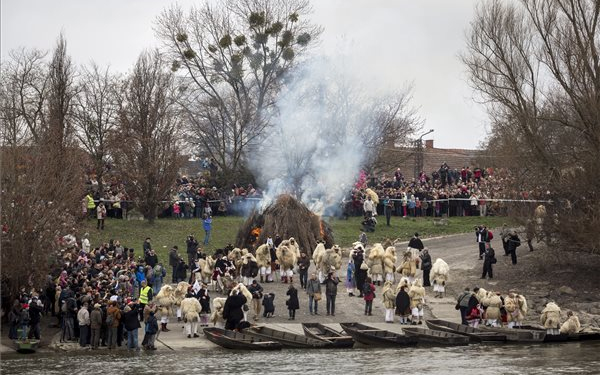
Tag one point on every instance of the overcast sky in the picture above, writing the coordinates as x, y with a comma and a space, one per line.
398, 41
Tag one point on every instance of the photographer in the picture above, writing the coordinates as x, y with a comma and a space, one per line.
331, 283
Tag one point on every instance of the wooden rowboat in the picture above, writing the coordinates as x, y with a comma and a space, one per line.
434, 337
475, 335
287, 339
518, 334
377, 337
240, 341
562, 337
321, 332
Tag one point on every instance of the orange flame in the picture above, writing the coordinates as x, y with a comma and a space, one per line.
322, 229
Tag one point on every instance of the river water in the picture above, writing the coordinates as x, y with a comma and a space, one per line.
566, 358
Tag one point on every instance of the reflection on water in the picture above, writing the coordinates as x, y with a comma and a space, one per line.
571, 358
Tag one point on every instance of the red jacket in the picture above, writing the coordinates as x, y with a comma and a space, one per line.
370, 296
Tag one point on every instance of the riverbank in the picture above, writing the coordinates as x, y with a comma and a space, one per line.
570, 289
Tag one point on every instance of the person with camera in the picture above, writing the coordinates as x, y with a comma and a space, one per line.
257, 294
331, 283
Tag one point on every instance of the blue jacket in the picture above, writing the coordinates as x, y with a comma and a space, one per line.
207, 223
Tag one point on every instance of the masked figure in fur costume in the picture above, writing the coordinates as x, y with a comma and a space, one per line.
217, 312
180, 293
389, 263
375, 263
389, 301
287, 260
571, 326
331, 259
417, 301
493, 303
165, 299
292, 245
263, 260
550, 318
317, 257
439, 276
206, 269
249, 269
516, 309
408, 267
190, 308
236, 256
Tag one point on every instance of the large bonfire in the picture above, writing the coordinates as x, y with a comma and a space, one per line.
287, 217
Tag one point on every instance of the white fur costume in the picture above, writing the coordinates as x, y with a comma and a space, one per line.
389, 263
375, 262
287, 260
190, 307
217, 312
550, 318
439, 275
408, 267
263, 260
417, 299
516, 309
571, 326
317, 257
165, 299
180, 292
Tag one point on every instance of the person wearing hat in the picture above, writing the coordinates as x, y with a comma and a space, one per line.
331, 283
415, 245
95, 325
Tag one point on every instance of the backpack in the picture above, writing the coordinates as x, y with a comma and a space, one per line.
367, 289
109, 319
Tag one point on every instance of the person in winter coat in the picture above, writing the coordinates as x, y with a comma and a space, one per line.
350, 279
463, 304
292, 303
192, 248
95, 325
331, 282
303, 265
151, 331
313, 289
83, 317
512, 243
389, 301
403, 305
35, 312
100, 215
131, 322
113, 321
269, 305
13, 319
368, 296
232, 311
426, 266
181, 271
360, 272
489, 260
415, 245
173, 262
257, 294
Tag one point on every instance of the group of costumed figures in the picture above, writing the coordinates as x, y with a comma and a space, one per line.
406, 298
495, 310
232, 273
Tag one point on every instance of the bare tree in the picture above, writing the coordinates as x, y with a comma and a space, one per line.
41, 175
147, 154
536, 65
234, 56
24, 94
96, 113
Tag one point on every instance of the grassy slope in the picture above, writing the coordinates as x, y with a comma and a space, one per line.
168, 232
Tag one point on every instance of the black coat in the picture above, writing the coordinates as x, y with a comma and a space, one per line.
268, 303
192, 246
416, 243
233, 307
425, 261
513, 242
402, 303
130, 319
292, 303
